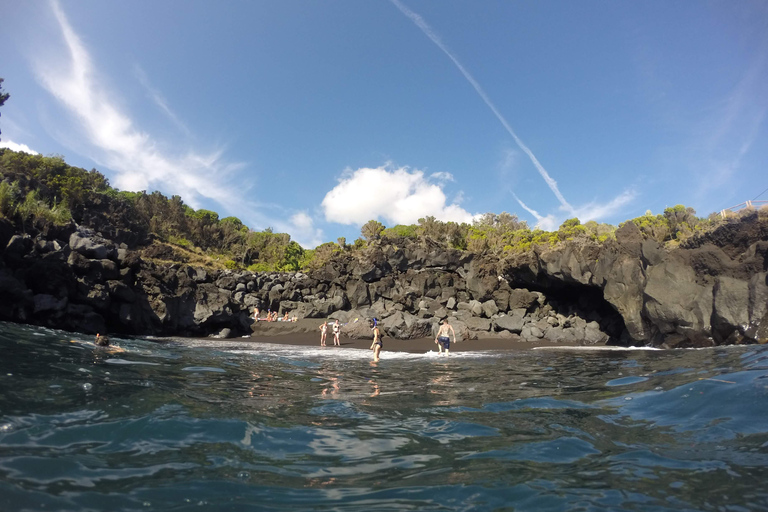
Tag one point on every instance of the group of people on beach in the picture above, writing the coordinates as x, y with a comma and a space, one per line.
443, 338
272, 316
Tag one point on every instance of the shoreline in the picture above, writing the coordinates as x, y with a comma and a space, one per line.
306, 333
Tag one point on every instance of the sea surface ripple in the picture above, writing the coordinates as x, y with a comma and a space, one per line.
232, 425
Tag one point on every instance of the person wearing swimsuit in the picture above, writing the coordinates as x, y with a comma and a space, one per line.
442, 339
336, 332
377, 344
323, 330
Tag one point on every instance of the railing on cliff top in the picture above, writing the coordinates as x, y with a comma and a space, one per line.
741, 206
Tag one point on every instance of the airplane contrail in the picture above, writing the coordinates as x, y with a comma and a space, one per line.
526, 208
427, 30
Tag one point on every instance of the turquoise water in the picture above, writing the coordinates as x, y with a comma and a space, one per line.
228, 425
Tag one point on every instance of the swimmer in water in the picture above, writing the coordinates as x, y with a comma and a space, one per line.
100, 342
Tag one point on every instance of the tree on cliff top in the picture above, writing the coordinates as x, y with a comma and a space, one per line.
371, 230
3, 96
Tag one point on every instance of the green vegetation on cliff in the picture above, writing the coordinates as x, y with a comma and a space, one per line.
38, 190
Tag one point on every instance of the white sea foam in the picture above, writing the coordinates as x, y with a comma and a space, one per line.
297, 352
598, 348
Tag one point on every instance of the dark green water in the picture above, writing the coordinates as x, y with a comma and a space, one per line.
232, 426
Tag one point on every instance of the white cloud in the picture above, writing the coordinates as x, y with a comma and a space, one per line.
117, 143
399, 196
597, 211
442, 176
549, 223
17, 147
303, 230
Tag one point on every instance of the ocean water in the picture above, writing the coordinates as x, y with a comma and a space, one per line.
228, 426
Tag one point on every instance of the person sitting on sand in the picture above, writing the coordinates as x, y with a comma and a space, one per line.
323, 330
442, 339
377, 344
336, 332
285, 317
256, 314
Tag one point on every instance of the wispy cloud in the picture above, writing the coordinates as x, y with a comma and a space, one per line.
442, 176
114, 139
731, 130
592, 211
547, 223
600, 211
427, 30
159, 100
397, 195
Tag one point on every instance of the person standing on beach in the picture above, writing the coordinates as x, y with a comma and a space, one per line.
442, 339
336, 332
323, 330
377, 344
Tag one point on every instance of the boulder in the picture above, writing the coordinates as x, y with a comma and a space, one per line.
18, 247
512, 323
478, 324
730, 315
14, 296
406, 326
82, 318
520, 298
758, 308
226, 332
489, 308
481, 283
357, 294
227, 282
593, 335
46, 304
675, 303
212, 304
92, 245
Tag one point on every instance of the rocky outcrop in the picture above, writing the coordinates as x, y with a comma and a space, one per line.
711, 290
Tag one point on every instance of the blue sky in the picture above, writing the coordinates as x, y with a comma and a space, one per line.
313, 117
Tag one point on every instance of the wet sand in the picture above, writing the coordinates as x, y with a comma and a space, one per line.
306, 333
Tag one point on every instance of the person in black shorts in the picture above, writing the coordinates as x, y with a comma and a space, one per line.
442, 339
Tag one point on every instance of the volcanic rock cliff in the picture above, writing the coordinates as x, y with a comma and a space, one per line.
710, 290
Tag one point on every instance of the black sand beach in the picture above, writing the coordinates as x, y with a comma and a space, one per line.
307, 333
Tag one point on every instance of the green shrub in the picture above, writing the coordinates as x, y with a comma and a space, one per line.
180, 241
401, 230
9, 192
